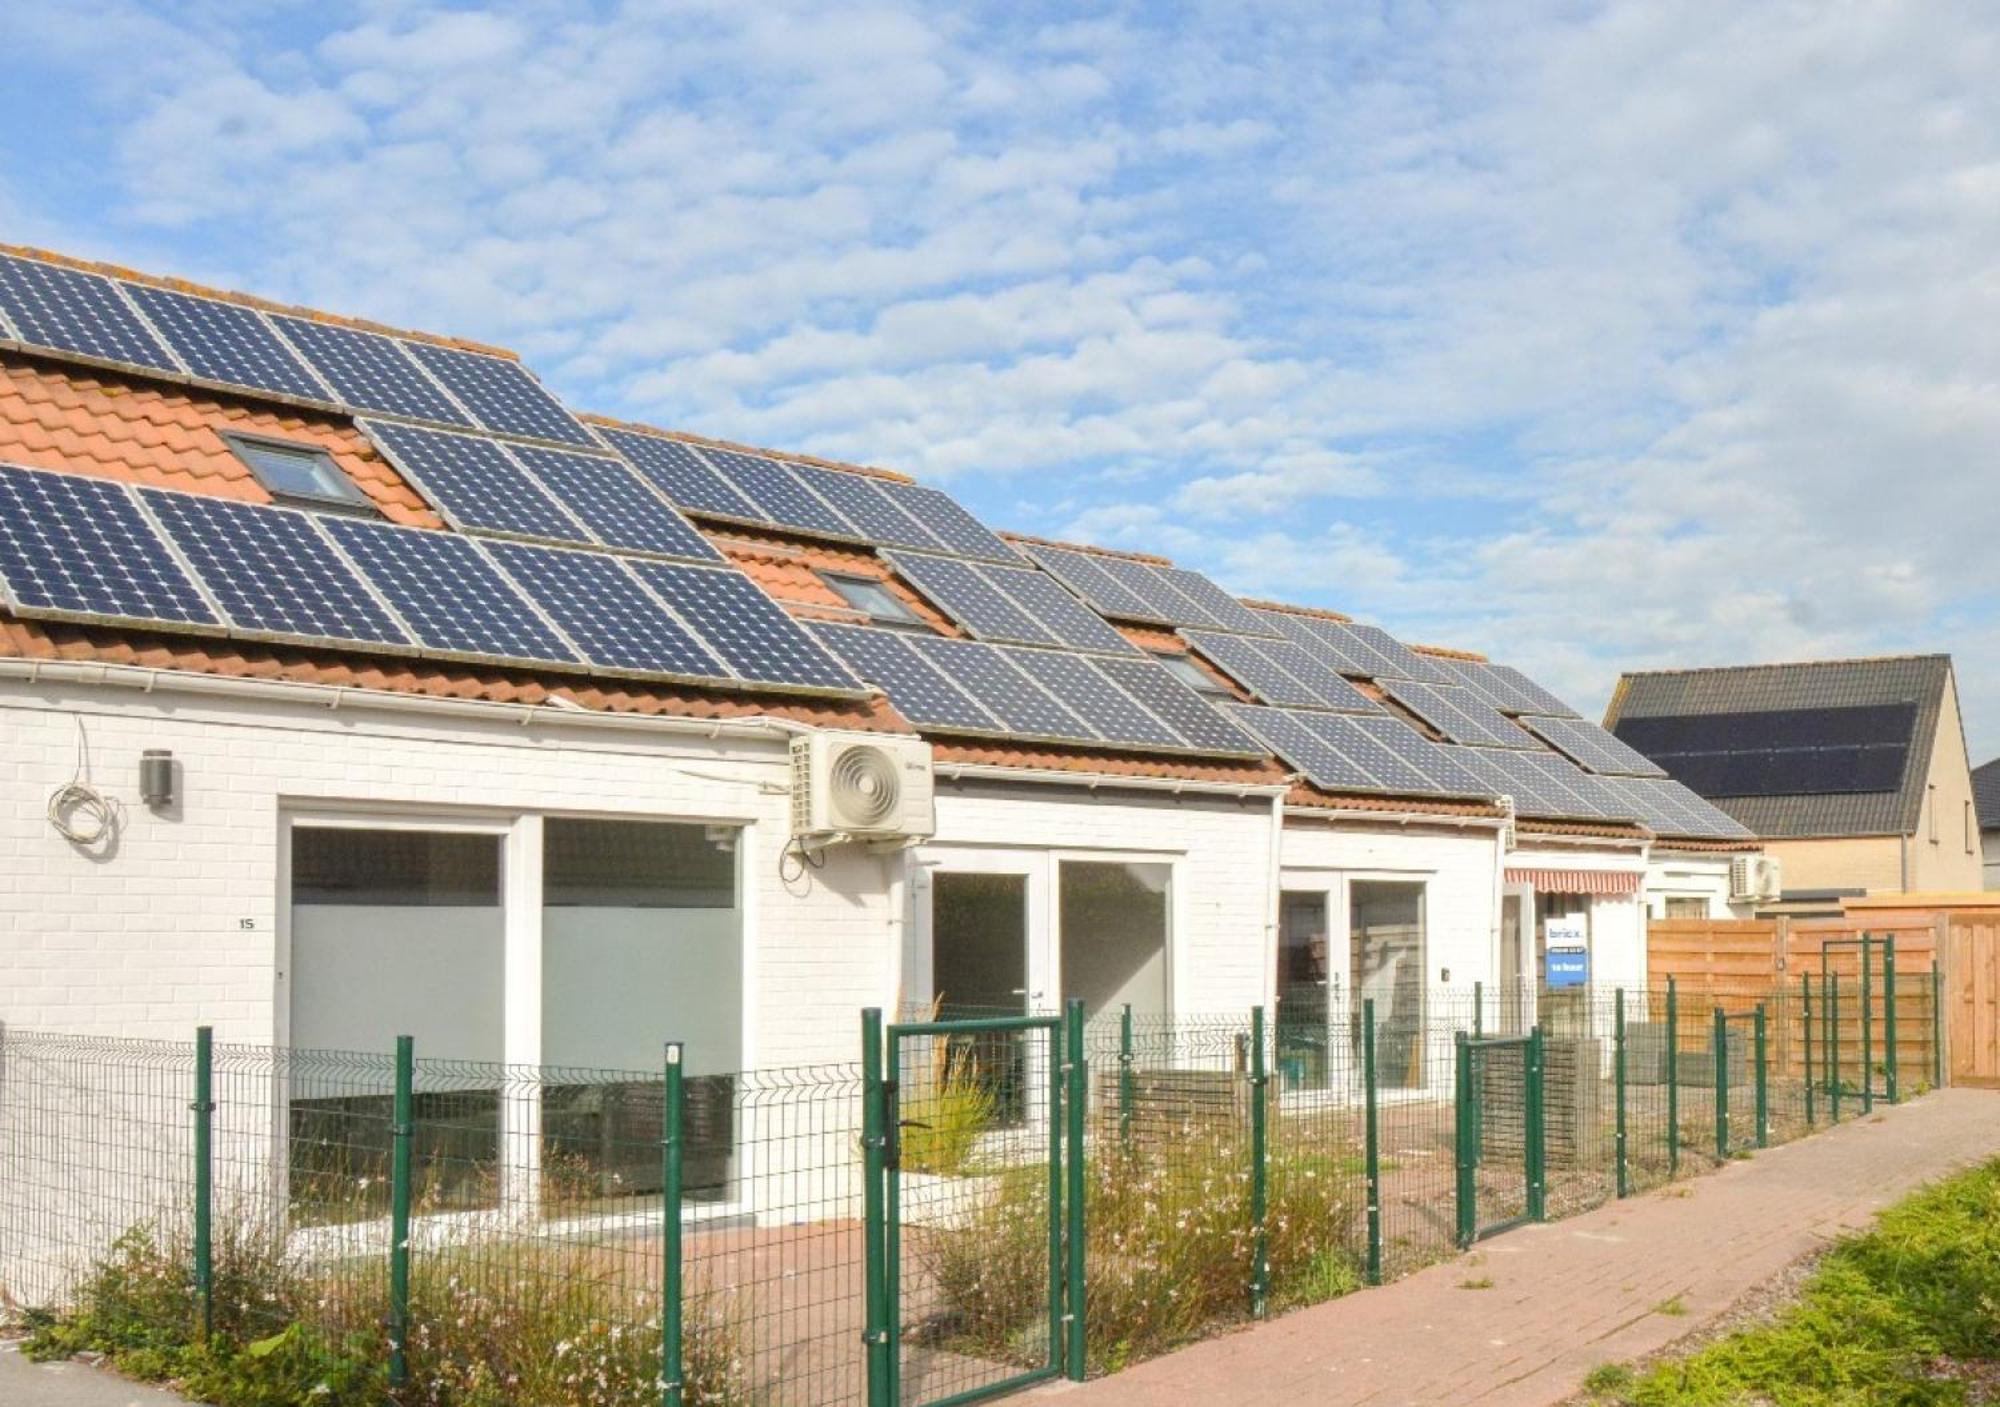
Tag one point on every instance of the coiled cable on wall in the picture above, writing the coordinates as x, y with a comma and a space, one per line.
79, 812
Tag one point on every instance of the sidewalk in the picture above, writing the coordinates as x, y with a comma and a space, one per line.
25, 1384
1573, 1294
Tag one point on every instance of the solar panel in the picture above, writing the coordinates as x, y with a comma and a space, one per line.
1227, 611
70, 310
1004, 691
1593, 748
1780, 752
1287, 735
944, 519
75, 546
271, 571
618, 507
452, 597
1534, 792
748, 629
1400, 661
778, 494
501, 394
1485, 685
1540, 700
1094, 697
616, 622
1239, 657
1453, 711
678, 471
368, 371
1318, 637
1080, 572
860, 500
473, 482
919, 692
1388, 767
1164, 602
1443, 763
1178, 706
1068, 619
1568, 779
226, 342
969, 598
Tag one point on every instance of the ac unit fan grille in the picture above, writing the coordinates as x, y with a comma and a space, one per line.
865, 788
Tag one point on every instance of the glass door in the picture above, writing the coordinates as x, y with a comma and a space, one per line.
1386, 939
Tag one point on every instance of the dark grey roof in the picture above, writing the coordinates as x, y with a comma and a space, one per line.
1913, 679
1986, 794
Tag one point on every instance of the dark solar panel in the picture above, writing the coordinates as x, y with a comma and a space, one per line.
778, 493
271, 571
920, 693
449, 594
1327, 641
1163, 602
1180, 707
962, 590
71, 545
1454, 711
70, 310
226, 342
1443, 763
1224, 609
620, 509
1239, 658
1287, 735
501, 394
860, 499
1095, 697
1400, 661
945, 520
474, 482
985, 674
1780, 752
369, 371
1390, 768
1080, 572
748, 629
615, 621
1067, 618
678, 471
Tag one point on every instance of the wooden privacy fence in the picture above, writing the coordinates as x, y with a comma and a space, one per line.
1972, 1000
1736, 963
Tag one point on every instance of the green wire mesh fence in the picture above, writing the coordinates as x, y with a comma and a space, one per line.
1026, 1195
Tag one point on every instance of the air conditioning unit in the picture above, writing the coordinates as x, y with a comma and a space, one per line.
862, 786
1754, 879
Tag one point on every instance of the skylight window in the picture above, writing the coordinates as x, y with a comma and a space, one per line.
1193, 675
874, 600
303, 476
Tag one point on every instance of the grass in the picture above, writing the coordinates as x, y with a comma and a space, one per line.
946, 1113
1905, 1315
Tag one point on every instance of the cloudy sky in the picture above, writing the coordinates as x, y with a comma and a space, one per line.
1594, 336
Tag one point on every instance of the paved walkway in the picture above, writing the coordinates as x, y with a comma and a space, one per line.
25, 1384
1573, 1294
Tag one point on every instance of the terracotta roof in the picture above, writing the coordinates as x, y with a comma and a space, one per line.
1447, 652
52, 640
1092, 549
689, 437
1286, 608
102, 424
1593, 829
1043, 757
788, 569
250, 300
1309, 797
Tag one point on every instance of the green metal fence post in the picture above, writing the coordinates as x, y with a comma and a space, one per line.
1618, 1073
204, 1180
1260, 1170
1074, 1361
1889, 1052
1805, 994
1537, 1127
1673, 1079
1479, 1010
1128, 1090
1719, 1048
401, 1130
875, 1334
671, 1165
1867, 1025
1373, 1142
1833, 1043
1462, 1128
1937, 1026
1763, 1080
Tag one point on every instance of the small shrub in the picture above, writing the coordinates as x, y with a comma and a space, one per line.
945, 1116
1607, 1378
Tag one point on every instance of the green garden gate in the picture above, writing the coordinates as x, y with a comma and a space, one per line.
1501, 1133
974, 1133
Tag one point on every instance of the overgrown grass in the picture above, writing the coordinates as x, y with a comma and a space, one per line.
946, 1114
492, 1325
1170, 1247
1901, 1316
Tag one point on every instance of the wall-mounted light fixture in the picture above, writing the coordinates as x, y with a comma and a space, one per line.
156, 777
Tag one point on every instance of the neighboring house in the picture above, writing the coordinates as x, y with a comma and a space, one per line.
1986, 802
354, 687
1853, 773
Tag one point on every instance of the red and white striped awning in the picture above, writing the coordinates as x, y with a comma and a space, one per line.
1614, 882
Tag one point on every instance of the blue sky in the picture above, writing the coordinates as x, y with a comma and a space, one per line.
1594, 336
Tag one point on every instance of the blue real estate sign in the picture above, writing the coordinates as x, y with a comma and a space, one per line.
1567, 962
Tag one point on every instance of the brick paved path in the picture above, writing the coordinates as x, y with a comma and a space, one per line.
1572, 1294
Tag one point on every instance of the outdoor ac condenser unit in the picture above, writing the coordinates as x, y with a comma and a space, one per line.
1754, 878
862, 786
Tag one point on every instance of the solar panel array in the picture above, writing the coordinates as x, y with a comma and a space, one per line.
1781, 752
757, 489
230, 344
1592, 748
1460, 715
969, 686
1131, 589
73, 547
486, 485
1020, 605
1279, 672
1340, 752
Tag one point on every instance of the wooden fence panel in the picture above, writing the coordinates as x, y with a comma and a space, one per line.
1972, 1001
